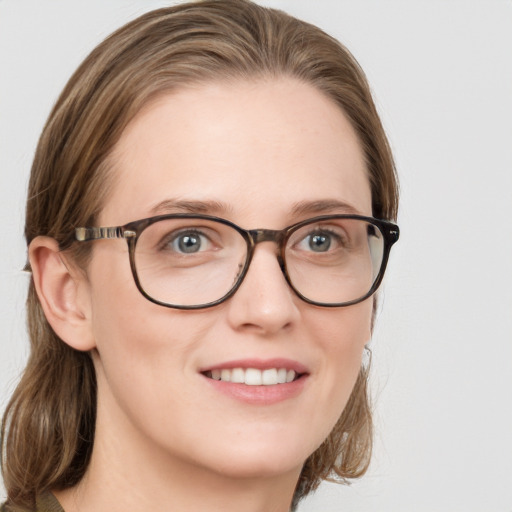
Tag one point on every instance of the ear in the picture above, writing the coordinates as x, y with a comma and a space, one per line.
63, 291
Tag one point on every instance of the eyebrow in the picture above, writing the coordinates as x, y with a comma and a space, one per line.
190, 206
323, 206
218, 208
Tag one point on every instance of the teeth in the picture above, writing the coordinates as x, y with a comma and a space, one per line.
281, 375
237, 375
253, 376
269, 377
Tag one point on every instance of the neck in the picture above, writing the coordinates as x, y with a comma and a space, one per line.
117, 486
128, 472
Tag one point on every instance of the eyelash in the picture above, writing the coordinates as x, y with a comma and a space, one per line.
341, 241
170, 238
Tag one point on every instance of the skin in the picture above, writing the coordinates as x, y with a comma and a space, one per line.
164, 435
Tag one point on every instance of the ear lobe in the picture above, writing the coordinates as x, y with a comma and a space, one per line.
63, 293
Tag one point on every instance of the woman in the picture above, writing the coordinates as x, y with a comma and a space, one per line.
211, 360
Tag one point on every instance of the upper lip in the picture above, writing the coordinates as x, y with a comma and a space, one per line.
259, 364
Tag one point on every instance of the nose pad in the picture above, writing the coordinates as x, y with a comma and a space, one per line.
264, 302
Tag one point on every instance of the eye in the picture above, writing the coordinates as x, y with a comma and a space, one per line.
187, 242
319, 241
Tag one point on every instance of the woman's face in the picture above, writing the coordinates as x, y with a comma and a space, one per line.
263, 155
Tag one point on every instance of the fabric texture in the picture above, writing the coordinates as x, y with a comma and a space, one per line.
44, 503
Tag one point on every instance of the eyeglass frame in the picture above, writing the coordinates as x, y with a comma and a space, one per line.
132, 231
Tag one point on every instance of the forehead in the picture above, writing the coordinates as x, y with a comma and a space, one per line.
256, 148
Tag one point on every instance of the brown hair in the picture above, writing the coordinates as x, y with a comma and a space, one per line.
48, 426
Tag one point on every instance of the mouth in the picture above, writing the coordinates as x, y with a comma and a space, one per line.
257, 381
254, 376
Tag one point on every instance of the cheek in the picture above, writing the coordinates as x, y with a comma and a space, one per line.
341, 337
142, 356
124, 322
145, 352
132, 334
128, 329
342, 333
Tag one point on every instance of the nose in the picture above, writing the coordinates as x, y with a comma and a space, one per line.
264, 304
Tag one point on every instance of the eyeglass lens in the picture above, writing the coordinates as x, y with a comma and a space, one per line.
190, 262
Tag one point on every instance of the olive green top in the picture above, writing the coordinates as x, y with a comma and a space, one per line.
44, 503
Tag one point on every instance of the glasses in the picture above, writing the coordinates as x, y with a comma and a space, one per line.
189, 261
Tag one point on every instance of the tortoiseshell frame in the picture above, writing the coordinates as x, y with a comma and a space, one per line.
131, 232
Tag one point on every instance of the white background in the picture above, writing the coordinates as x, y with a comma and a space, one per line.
442, 77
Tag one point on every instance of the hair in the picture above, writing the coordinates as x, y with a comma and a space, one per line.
48, 427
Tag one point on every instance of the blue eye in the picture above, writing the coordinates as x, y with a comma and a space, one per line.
189, 242
319, 242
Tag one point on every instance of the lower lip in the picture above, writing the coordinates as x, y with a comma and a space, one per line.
259, 395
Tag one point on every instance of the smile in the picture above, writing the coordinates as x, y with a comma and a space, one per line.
253, 376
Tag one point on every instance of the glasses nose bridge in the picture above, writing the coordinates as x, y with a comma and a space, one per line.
258, 236
266, 235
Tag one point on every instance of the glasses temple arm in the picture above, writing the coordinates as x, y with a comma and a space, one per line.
85, 234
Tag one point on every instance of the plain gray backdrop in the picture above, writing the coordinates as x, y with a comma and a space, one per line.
441, 71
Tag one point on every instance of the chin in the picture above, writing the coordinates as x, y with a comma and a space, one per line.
264, 458
270, 466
